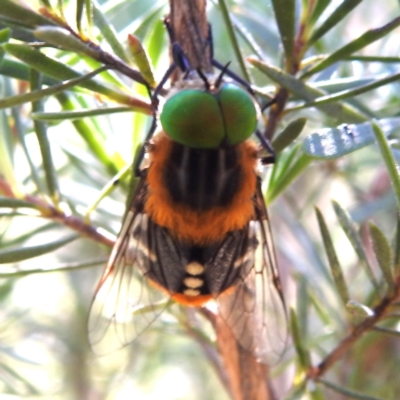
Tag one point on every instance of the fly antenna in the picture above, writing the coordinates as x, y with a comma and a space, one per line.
204, 79
221, 75
232, 75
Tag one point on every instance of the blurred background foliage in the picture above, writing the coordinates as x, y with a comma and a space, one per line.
53, 164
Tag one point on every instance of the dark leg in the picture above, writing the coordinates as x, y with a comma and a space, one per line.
211, 42
142, 151
224, 68
177, 53
267, 105
169, 30
180, 61
157, 90
266, 144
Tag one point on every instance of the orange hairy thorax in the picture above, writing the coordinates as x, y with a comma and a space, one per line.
199, 227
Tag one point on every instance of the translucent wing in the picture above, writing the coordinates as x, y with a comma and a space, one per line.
125, 304
255, 309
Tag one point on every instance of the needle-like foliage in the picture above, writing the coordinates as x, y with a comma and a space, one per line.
74, 110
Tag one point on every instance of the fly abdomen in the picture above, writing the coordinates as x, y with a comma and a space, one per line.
193, 283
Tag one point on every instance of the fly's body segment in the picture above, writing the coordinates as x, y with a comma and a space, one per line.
197, 228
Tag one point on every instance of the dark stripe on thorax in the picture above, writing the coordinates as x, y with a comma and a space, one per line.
202, 179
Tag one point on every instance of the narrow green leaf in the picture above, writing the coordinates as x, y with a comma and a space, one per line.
109, 77
20, 128
25, 253
289, 134
359, 312
233, 40
89, 135
31, 233
6, 152
80, 4
108, 188
397, 249
50, 67
89, 13
288, 176
40, 129
47, 4
302, 305
145, 309
357, 44
155, 39
248, 38
69, 267
349, 93
39, 94
78, 114
336, 269
338, 111
331, 143
16, 203
59, 71
391, 164
350, 230
16, 379
6, 290
108, 33
17, 70
387, 331
282, 164
323, 312
319, 8
377, 58
347, 392
300, 347
141, 59
5, 35
23, 15
17, 31
285, 14
333, 86
383, 254
60, 37
337, 15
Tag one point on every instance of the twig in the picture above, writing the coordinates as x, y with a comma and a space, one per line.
190, 29
359, 330
50, 212
248, 379
193, 329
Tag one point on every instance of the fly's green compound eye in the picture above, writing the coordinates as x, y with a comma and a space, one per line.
238, 112
202, 120
193, 118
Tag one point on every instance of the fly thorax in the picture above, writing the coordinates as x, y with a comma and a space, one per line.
203, 179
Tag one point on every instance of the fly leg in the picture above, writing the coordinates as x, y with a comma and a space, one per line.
179, 61
140, 155
266, 144
224, 68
